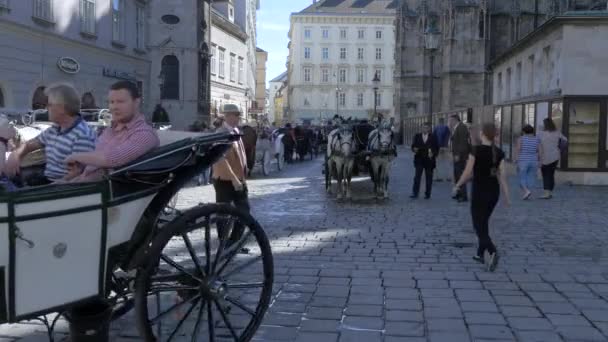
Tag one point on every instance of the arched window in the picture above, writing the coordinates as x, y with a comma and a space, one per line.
2, 98
170, 78
39, 100
88, 101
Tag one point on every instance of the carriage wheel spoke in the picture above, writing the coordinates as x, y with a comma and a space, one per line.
161, 289
208, 247
233, 250
240, 305
226, 321
179, 267
245, 285
210, 322
173, 308
181, 322
242, 266
199, 321
193, 253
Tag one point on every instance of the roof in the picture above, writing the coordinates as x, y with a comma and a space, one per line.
377, 7
567, 17
281, 78
257, 49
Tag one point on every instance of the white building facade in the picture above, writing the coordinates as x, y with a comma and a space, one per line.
334, 54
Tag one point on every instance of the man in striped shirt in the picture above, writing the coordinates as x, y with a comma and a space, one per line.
128, 138
69, 134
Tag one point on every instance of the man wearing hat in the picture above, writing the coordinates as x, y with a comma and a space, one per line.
229, 173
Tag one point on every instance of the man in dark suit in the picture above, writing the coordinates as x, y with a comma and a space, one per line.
461, 147
425, 150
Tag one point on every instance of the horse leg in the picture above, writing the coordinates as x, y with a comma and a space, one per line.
348, 176
385, 178
339, 173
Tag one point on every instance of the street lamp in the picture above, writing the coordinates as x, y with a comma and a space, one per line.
338, 89
431, 45
376, 82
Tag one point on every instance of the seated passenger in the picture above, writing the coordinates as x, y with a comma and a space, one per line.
128, 138
69, 134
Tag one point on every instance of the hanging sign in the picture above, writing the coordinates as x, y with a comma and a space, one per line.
68, 65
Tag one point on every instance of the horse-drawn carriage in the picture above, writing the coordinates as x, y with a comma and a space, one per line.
354, 150
204, 274
263, 147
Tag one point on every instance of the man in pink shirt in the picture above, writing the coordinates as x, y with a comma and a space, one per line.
128, 138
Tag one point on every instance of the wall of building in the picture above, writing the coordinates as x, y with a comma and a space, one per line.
260, 88
315, 97
30, 50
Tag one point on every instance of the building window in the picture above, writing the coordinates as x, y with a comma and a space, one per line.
325, 75
4, 4
307, 76
361, 34
118, 32
342, 76
378, 99
213, 59
222, 64
343, 53
307, 34
342, 33
306, 102
378, 54
306, 53
379, 74
342, 98
508, 85
87, 16
531, 75
360, 53
360, 100
325, 53
325, 33
39, 100
232, 67
360, 75
499, 87
87, 101
518, 80
170, 72
241, 70
140, 21
378, 34
43, 9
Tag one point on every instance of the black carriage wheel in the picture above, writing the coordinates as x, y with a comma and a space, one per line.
327, 174
199, 285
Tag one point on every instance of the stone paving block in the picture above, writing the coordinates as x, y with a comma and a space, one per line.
432, 284
569, 320
332, 291
484, 318
365, 274
446, 312
366, 300
437, 293
403, 304
439, 302
536, 287
404, 329
366, 290
404, 339
445, 324
438, 336
520, 311
495, 276
513, 300
367, 281
366, 323
478, 307
306, 288
596, 303
396, 274
581, 334
334, 281
359, 336
267, 333
428, 275
396, 282
547, 297
525, 277
364, 310
328, 302
324, 313
495, 332
404, 316
295, 296
557, 277
596, 315
335, 273
316, 337
500, 285
319, 325
401, 293
529, 323
281, 319
557, 308
473, 295
538, 336
603, 327
465, 284
571, 287
311, 272
290, 307
460, 275
296, 279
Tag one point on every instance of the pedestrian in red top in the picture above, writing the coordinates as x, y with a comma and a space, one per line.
128, 138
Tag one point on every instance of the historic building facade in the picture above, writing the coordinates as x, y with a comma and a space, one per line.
336, 48
275, 112
472, 33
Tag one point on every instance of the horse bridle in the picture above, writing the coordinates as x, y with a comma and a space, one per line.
342, 143
383, 147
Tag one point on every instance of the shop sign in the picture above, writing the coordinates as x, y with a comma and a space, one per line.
122, 75
68, 65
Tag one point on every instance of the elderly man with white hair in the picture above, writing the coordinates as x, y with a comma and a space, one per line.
69, 134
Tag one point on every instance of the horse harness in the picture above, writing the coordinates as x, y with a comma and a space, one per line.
384, 148
339, 153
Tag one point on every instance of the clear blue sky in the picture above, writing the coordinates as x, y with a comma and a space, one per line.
272, 27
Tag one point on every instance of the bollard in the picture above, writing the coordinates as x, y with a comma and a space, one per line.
90, 322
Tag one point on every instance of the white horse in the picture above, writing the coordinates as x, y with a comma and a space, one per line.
381, 145
340, 162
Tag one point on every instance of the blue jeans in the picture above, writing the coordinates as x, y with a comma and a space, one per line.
527, 173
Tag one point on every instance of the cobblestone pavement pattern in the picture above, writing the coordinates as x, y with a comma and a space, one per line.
401, 270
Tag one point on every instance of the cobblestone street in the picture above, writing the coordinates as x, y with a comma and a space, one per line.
401, 269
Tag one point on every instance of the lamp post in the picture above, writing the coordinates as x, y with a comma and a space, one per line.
431, 45
338, 89
376, 82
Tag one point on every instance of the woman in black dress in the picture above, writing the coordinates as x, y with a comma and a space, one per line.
487, 168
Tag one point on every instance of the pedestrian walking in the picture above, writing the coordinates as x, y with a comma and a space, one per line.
442, 136
486, 167
461, 147
528, 155
229, 174
552, 143
425, 150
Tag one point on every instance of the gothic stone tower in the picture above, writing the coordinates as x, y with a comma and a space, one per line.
473, 32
